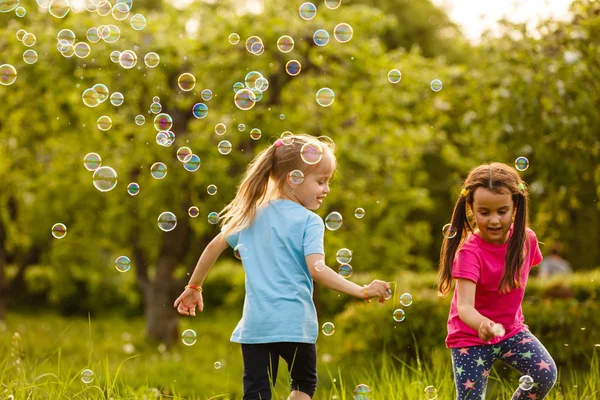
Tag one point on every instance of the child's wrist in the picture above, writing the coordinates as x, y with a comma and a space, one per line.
194, 287
365, 293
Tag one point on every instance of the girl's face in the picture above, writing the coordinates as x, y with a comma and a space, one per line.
493, 214
315, 186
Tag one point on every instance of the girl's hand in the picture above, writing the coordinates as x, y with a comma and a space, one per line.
379, 289
187, 301
486, 330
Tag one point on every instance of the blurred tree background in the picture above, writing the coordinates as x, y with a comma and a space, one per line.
403, 149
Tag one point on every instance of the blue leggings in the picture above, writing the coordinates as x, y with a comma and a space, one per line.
523, 351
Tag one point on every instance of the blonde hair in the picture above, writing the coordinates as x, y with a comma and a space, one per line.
266, 177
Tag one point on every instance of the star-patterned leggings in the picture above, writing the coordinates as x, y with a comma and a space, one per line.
523, 351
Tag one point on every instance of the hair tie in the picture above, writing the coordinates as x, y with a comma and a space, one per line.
278, 143
521, 187
463, 192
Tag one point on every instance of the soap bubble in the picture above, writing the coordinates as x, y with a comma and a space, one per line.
123, 264
406, 299
436, 85
449, 231
333, 221
105, 179
521, 163
87, 376
59, 230
526, 383
431, 393
343, 256
394, 76
189, 337
399, 315
167, 221
328, 328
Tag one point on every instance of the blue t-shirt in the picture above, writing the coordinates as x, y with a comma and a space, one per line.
278, 306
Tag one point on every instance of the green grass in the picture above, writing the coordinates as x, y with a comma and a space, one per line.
42, 358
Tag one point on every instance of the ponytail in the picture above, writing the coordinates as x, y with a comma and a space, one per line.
450, 244
515, 254
250, 194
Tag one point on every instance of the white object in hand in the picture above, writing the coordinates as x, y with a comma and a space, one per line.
498, 330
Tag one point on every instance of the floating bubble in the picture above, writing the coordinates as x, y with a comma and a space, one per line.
321, 37
361, 392
8, 5
129, 3
82, 50
59, 8
436, 85
138, 22
345, 270
92, 161
183, 152
206, 94
167, 221
162, 139
140, 119
257, 94
8, 74
186, 81
156, 99
285, 44
262, 84
104, 123
293, 67
103, 8
122, 263
325, 97
120, 11
320, 265
431, 393
90, 97
20, 34
29, 39
133, 188
311, 153
251, 78
115, 55
308, 11
406, 299
193, 211
192, 163
521, 163
238, 86
234, 38
155, 107
102, 91
388, 294
151, 59
244, 99
158, 170
257, 48
217, 365
333, 221
117, 98
127, 59
224, 147
213, 218
211, 189
30, 56
296, 177
20, 11
92, 35
189, 337
328, 328
59, 230
251, 42
394, 76
200, 110
110, 34
399, 315
343, 256
287, 138
163, 122
343, 32
255, 133
526, 383
220, 128
105, 179
449, 231
359, 212
87, 376
67, 50
333, 4
240, 252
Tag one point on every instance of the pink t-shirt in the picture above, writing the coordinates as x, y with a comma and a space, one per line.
483, 263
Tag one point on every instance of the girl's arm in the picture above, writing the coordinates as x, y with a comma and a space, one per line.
466, 309
332, 280
187, 301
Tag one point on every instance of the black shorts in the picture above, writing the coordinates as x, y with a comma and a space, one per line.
262, 360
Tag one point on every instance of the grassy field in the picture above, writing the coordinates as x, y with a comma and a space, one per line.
42, 358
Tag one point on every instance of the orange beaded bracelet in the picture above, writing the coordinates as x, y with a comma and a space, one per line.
195, 287
366, 294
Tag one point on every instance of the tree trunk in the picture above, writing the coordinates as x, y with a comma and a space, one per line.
3, 285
